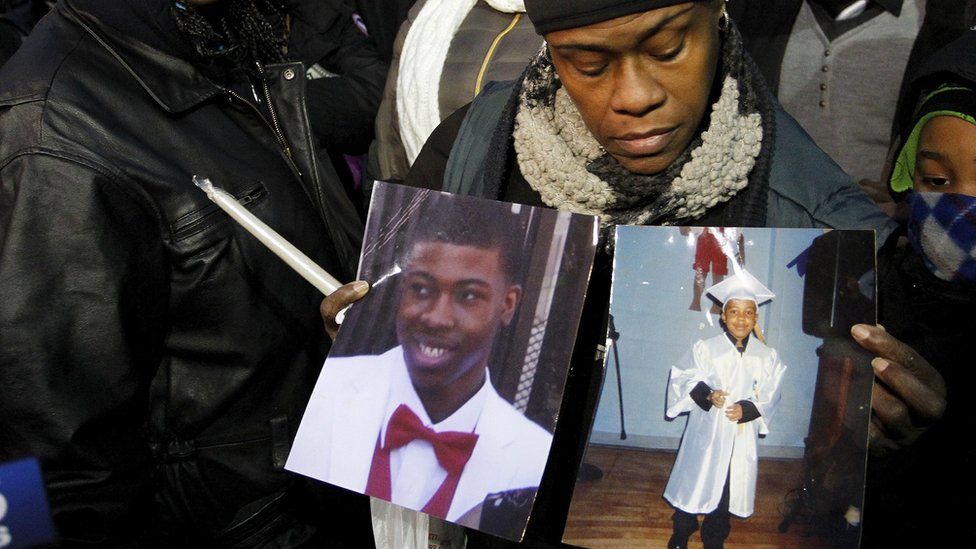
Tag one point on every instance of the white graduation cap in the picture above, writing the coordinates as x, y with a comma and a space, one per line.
741, 285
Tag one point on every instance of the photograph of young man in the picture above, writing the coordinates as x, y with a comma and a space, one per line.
421, 424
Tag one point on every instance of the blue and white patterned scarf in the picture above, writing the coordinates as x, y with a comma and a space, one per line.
942, 228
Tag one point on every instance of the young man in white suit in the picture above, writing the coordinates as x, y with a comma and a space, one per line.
729, 386
421, 425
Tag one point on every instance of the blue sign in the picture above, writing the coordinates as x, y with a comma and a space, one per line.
25, 519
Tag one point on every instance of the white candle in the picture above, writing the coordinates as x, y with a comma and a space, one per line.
298, 261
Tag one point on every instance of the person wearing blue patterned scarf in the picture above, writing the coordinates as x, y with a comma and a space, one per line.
927, 297
937, 162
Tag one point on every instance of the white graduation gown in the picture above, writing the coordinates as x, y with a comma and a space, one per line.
712, 444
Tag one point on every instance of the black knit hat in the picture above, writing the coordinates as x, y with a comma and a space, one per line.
554, 15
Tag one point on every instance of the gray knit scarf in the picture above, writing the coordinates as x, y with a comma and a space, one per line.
562, 161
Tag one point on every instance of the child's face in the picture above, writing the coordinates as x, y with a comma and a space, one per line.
946, 158
739, 316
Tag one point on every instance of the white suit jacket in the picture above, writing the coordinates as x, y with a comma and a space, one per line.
338, 434
713, 445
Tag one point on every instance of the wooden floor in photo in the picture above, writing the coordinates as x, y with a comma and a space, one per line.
625, 510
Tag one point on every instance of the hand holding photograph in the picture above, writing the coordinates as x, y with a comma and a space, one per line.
747, 411
442, 390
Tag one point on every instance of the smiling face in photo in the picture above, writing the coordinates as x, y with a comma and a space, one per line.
453, 301
739, 316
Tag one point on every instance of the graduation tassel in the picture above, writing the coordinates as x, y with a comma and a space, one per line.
759, 334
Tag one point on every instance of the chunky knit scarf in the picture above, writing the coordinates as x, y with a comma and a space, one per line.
562, 161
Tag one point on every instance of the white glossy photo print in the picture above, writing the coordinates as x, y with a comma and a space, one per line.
442, 390
734, 409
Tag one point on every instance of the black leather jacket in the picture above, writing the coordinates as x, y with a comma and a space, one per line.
152, 353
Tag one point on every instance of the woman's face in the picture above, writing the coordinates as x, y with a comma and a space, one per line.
642, 82
946, 157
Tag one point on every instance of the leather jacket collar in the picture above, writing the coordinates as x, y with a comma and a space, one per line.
174, 83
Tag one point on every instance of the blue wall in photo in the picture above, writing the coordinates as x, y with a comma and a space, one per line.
652, 291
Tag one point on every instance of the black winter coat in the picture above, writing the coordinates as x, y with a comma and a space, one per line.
153, 355
903, 503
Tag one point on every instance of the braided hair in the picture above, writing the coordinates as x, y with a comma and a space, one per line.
234, 35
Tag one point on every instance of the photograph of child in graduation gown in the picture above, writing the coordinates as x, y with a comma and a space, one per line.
729, 387
705, 420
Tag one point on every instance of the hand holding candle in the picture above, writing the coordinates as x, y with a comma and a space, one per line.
334, 306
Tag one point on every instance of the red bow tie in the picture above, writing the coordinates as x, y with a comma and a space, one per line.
453, 448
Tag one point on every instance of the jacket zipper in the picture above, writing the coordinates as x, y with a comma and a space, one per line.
274, 115
275, 126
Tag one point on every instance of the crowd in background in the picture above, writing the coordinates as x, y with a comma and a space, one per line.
386, 91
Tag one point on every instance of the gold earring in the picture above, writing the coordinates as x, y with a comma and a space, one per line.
723, 20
